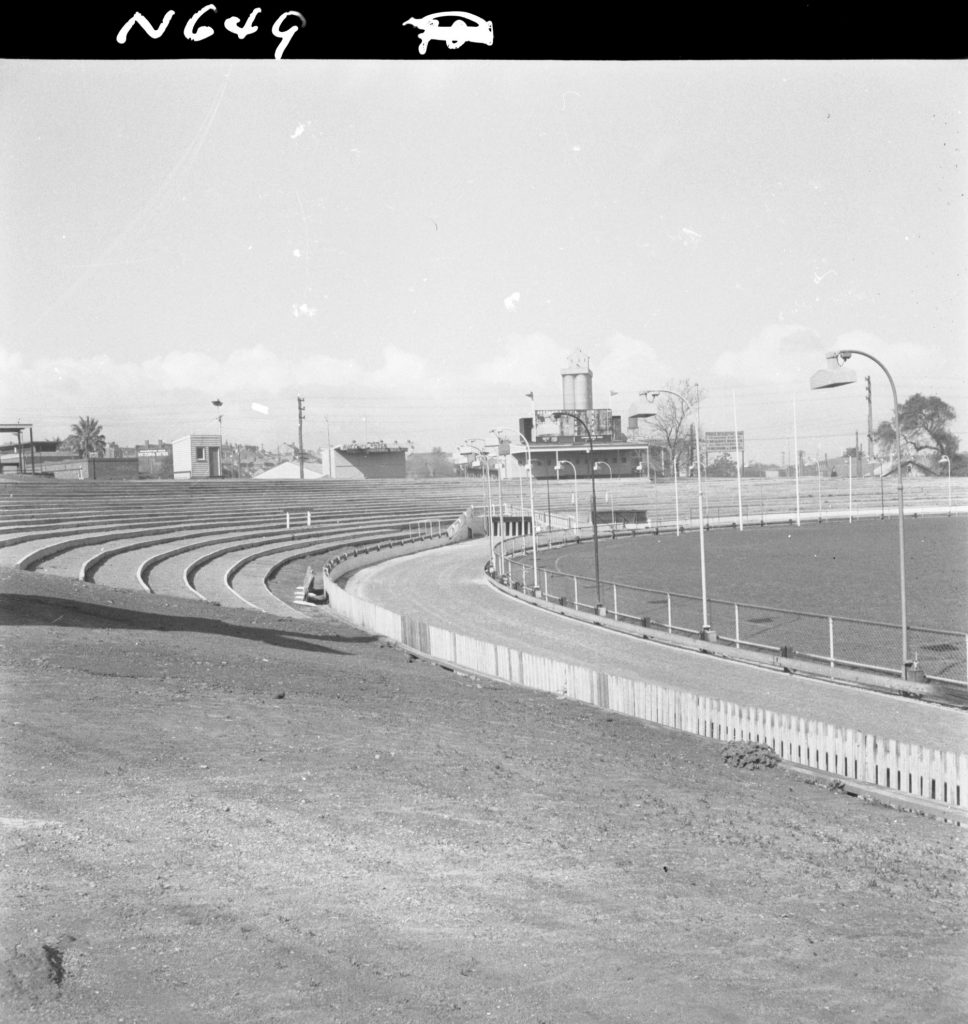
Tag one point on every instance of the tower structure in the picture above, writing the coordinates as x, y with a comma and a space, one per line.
576, 383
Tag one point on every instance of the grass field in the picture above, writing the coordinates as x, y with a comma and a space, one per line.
775, 586
849, 571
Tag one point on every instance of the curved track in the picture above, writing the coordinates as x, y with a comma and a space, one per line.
447, 588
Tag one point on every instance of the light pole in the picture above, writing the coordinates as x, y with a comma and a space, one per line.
707, 632
944, 458
611, 504
675, 488
850, 488
218, 405
819, 491
599, 607
834, 375
574, 469
534, 534
485, 473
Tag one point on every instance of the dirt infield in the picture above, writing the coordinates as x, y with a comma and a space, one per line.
211, 815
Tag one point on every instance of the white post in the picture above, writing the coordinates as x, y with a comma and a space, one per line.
615, 600
287, 520
309, 519
739, 473
575, 578
736, 622
669, 611
796, 458
850, 488
819, 491
830, 631
675, 483
702, 531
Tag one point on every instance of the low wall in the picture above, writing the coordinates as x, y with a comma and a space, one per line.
909, 770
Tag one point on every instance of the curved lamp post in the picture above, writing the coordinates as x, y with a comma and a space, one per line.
599, 607
611, 504
477, 445
651, 396
835, 375
534, 535
218, 406
944, 458
564, 462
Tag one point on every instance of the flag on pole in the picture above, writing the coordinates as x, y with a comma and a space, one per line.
264, 409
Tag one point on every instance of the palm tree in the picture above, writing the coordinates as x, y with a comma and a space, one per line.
87, 437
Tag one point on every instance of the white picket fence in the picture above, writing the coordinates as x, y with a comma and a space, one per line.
903, 768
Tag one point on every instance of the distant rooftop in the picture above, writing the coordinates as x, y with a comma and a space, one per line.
371, 446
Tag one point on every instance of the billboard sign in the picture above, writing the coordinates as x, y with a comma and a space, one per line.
719, 441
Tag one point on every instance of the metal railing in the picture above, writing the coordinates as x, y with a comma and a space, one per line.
826, 639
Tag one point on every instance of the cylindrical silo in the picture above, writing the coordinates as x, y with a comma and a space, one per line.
567, 389
583, 390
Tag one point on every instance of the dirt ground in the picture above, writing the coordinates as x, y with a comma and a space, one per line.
212, 815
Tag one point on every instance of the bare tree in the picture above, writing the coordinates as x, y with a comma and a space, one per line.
674, 405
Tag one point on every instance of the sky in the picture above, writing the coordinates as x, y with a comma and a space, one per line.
412, 246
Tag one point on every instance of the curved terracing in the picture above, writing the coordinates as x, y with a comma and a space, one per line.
220, 541
223, 540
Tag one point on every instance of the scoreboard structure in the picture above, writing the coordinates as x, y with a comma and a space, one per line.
718, 442
556, 426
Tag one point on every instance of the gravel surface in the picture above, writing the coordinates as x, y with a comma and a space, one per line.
212, 815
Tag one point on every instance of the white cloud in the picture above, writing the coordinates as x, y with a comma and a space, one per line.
523, 362
627, 365
779, 354
511, 302
789, 354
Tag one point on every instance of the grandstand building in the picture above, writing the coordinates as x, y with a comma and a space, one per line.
374, 460
559, 438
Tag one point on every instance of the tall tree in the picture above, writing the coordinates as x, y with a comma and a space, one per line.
673, 419
925, 431
86, 438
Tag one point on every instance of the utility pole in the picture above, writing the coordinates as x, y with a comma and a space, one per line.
301, 407
870, 422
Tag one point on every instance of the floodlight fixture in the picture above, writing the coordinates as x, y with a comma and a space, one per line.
834, 374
